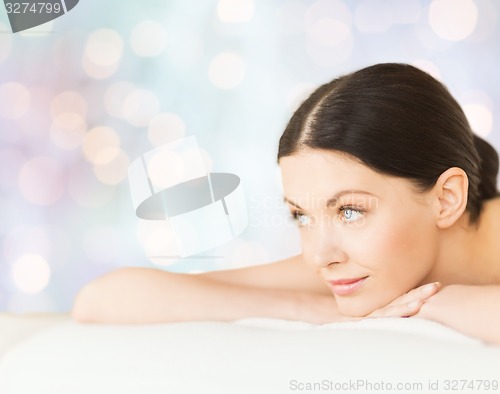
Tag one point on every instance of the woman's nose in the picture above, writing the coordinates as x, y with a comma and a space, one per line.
324, 247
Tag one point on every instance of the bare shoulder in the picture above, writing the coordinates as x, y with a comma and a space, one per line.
488, 235
291, 273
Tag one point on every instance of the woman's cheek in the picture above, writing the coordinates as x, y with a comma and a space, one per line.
404, 251
389, 252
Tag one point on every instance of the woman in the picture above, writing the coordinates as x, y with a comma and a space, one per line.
398, 210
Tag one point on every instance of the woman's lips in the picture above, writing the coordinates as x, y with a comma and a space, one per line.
346, 286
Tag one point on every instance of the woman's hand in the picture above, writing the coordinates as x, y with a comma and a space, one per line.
322, 309
408, 304
471, 309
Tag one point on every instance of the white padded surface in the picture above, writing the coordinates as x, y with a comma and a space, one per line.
248, 356
16, 327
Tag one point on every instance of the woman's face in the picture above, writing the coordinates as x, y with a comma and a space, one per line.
356, 223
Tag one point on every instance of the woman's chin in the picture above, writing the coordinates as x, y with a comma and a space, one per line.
354, 309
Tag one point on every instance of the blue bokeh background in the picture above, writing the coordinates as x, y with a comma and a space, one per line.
84, 95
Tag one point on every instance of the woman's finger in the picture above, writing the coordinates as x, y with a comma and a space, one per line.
401, 310
408, 304
420, 293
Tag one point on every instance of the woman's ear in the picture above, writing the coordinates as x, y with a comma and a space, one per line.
450, 191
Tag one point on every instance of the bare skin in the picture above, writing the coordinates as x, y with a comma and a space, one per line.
399, 239
421, 256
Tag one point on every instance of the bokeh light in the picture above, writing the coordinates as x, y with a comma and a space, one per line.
453, 20
331, 55
328, 31
227, 70
245, 253
140, 106
158, 240
68, 101
68, 130
165, 127
114, 98
480, 118
165, 169
148, 38
232, 11
106, 156
31, 273
14, 100
104, 47
191, 158
99, 142
103, 52
114, 170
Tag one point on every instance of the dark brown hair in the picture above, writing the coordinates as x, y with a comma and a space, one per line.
399, 121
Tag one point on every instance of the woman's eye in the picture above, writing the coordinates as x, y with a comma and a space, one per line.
350, 214
302, 219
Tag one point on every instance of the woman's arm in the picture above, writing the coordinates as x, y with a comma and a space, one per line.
292, 273
285, 289
472, 310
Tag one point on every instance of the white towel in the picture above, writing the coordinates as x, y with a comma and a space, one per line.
248, 356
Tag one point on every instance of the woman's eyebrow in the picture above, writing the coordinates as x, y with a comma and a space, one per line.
333, 199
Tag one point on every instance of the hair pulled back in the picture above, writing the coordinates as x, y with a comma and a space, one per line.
400, 121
